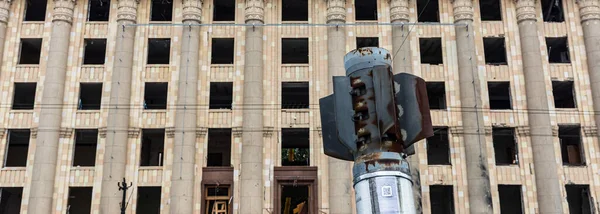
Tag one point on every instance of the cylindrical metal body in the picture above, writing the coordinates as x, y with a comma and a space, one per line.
383, 185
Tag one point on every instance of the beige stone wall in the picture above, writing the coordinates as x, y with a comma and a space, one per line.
275, 118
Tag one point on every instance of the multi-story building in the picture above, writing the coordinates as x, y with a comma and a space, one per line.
212, 105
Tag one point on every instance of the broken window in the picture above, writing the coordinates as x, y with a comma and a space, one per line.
295, 147
224, 10
162, 10
18, 147
216, 199
494, 50
80, 200
24, 96
570, 145
153, 142
366, 10
564, 94
294, 95
579, 199
84, 153
221, 95
148, 201
436, 92
294, 199
219, 147
155, 95
558, 50
499, 94
438, 147
10, 199
159, 51
294, 51
441, 198
428, 10
30, 51
99, 10
505, 146
510, 199
431, 51
490, 10
552, 11
35, 10
362, 42
294, 10
222, 51
90, 96
94, 51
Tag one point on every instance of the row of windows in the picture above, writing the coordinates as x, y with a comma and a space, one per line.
297, 10
294, 147
217, 198
505, 146
293, 50
441, 198
294, 95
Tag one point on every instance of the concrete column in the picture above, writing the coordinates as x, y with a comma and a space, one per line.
184, 150
251, 172
46, 152
589, 10
115, 156
480, 197
340, 176
544, 159
4, 14
400, 37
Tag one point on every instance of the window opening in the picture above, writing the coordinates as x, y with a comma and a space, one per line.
148, 200
221, 95
294, 95
570, 145
558, 50
24, 96
159, 51
18, 147
155, 95
84, 153
436, 92
162, 10
219, 147
579, 199
80, 200
222, 51
294, 50
295, 147
362, 42
429, 10
510, 199
552, 11
499, 94
224, 10
153, 142
35, 10
294, 10
10, 199
95, 51
366, 10
31, 50
490, 10
442, 199
505, 146
99, 10
564, 94
90, 96
431, 51
494, 50
438, 147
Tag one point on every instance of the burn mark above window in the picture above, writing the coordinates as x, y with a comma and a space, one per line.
558, 50
99, 10
294, 10
366, 10
162, 10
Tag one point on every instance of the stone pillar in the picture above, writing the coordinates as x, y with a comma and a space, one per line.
46, 152
400, 36
473, 134
251, 172
184, 146
590, 22
4, 14
340, 176
544, 159
117, 136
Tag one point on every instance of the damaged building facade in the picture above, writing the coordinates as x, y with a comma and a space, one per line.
206, 118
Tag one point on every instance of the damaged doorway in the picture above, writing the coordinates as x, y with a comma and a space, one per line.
296, 191
294, 198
